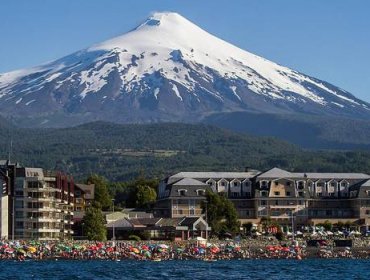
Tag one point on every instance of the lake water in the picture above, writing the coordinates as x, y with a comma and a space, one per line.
243, 269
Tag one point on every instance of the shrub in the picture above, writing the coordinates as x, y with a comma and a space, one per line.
134, 237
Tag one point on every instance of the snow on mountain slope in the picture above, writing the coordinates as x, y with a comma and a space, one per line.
167, 69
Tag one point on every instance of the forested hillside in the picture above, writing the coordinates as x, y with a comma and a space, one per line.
122, 152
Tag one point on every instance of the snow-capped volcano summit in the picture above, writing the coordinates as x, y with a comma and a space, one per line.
166, 69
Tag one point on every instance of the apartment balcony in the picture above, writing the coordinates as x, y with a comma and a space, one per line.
39, 199
43, 209
40, 190
38, 219
283, 206
43, 230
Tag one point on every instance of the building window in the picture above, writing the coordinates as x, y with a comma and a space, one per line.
235, 194
263, 193
201, 192
300, 194
248, 194
19, 214
288, 193
276, 183
263, 202
276, 202
288, 184
276, 193
275, 213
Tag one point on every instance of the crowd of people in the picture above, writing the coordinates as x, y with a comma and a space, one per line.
159, 251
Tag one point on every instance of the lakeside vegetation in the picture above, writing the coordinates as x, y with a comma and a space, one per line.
123, 152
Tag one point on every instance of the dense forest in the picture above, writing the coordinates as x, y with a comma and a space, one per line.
309, 131
124, 152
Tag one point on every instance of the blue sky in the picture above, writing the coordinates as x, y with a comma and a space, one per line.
327, 39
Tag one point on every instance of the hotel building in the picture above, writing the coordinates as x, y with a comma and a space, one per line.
36, 204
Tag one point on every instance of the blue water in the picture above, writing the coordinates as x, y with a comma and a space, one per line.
243, 269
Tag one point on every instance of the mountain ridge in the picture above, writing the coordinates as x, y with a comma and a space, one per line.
126, 151
165, 70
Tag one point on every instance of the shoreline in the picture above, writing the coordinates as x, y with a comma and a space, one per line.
166, 251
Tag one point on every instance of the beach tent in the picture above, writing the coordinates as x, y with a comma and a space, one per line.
199, 238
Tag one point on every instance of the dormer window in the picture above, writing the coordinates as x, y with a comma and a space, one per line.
182, 192
264, 183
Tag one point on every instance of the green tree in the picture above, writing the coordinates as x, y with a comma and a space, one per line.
101, 194
221, 214
145, 195
231, 216
94, 224
327, 225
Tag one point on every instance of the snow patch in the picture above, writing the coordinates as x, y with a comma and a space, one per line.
176, 91
233, 88
338, 104
156, 92
30, 102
